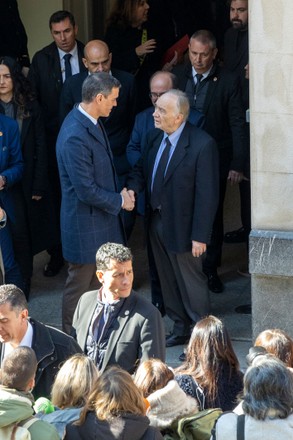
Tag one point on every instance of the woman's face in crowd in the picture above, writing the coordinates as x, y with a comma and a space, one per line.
6, 84
140, 14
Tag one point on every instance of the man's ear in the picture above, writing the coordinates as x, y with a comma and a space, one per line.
24, 313
30, 384
84, 60
100, 276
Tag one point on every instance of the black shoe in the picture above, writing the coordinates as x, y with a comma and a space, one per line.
173, 340
214, 282
237, 236
182, 357
53, 267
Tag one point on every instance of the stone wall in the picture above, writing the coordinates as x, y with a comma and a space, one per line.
271, 116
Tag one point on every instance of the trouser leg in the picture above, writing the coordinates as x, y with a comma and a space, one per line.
81, 278
169, 284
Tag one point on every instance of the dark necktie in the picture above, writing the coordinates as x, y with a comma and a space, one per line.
68, 70
159, 176
197, 85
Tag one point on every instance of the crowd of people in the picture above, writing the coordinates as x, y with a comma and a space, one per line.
93, 135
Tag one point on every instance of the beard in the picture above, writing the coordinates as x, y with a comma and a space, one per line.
238, 24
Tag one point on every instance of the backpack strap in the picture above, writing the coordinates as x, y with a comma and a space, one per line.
198, 392
27, 423
23, 424
240, 427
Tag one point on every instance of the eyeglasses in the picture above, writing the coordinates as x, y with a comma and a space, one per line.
155, 95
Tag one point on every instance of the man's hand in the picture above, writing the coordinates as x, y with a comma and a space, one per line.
198, 248
147, 47
128, 199
235, 177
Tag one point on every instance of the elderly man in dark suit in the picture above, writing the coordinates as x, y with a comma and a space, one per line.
179, 169
49, 69
91, 203
216, 93
118, 125
115, 325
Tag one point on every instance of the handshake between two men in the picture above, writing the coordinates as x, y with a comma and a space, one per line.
128, 197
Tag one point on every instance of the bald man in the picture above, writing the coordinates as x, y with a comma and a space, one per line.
118, 125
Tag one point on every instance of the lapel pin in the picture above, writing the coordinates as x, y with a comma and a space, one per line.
215, 79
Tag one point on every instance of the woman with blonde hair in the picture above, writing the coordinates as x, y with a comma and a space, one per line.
72, 386
211, 371
168, 402
114, 410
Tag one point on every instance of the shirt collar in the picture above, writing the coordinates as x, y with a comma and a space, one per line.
204, 75
73, 52
174, 137
94, 121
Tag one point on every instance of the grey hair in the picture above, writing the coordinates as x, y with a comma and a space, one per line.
112, 251
268, 389
182, 102
205, 37
9, 293
96, 83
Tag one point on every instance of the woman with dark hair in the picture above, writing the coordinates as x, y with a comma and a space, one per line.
211, 371
267, 404
114, 410
132, 48
31, 230
278, 343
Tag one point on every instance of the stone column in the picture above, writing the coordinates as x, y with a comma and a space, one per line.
271, 116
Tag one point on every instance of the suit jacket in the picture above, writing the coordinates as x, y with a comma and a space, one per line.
46, 77
119, 123
11, 162
139, 333
144, 123
91, 205
190, 190
224, 115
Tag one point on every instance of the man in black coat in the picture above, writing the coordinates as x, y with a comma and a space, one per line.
236, 59
47, 73
52, 347
182, 196
119, 123
216, 93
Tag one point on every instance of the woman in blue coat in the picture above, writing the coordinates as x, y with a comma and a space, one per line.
33, 229
11, 169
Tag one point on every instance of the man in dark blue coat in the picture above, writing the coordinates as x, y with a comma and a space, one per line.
118, 125
47, 74
91, 202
